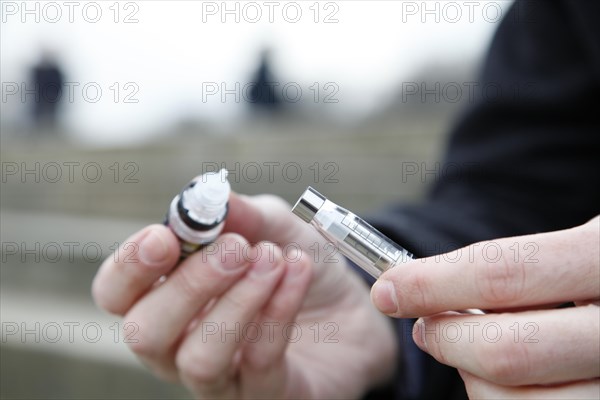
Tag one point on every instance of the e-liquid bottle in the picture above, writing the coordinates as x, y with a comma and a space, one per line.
197, 214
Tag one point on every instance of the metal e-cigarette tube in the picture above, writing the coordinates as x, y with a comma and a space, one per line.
356, 239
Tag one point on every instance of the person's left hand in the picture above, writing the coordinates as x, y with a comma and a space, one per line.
523, 347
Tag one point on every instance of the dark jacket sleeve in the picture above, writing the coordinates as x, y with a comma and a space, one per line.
524, 158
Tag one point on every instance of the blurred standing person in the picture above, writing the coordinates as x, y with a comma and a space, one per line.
262, 95
48, 80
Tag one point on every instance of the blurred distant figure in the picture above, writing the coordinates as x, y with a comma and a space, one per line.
48, 82
263, 94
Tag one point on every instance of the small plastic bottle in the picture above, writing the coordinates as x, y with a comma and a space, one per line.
197, 214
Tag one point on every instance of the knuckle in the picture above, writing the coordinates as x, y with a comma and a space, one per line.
500, 281
280, 310
262, 359
104, 300
472, 388
505, 362
145, 344
418, 290
235, 240
268, 251
237, 303
196, 367
192, 281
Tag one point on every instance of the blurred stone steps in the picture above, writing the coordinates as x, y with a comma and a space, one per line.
56, 253
362, 169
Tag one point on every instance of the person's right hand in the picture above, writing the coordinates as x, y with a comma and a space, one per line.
243, 319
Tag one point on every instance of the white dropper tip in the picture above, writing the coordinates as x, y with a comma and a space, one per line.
208, 198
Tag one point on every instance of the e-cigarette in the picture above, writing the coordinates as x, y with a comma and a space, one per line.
356, 239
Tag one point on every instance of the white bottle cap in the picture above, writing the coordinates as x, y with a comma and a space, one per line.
206, 202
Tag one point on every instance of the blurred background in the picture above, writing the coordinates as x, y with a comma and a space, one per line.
108, 108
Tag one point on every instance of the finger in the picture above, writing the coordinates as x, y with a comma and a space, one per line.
478, 388
206, 353
267, 218
134, 267
164, 313
254, 217
265, 346
535, 347
243, 217
530, 270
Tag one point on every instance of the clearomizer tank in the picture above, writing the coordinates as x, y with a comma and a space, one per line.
356, 239
197, 214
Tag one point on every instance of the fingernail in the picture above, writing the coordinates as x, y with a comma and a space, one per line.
384, 296
153, 249
227, 260
266, 262
294, 270
419, 334
295, 264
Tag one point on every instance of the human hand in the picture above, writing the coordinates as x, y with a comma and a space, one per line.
241, 318
524, 347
